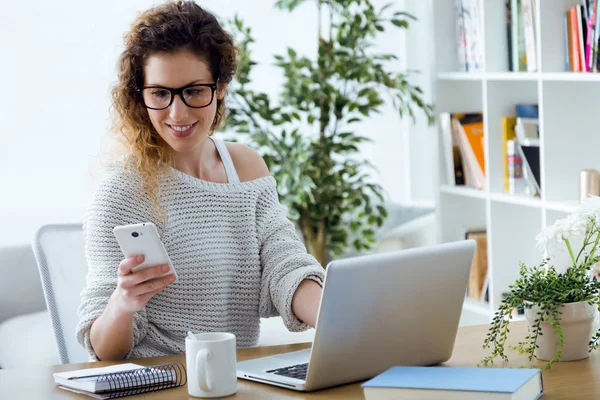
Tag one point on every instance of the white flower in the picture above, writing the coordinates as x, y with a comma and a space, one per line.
553, 235
547, 239
551, 240
591, 206
574, 224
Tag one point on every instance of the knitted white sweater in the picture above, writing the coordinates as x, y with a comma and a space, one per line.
236, 254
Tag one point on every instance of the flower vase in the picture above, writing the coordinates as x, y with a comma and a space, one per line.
578, 321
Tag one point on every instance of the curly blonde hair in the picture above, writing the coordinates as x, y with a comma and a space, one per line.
167, 28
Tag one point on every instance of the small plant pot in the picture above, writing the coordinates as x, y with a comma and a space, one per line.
578, 321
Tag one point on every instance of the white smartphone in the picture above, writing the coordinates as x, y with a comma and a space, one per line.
143, 239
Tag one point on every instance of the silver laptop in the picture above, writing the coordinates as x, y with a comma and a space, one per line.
377, 311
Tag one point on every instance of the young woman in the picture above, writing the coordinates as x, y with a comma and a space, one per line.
236, 254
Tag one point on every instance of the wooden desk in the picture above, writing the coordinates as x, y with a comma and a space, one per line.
571, 380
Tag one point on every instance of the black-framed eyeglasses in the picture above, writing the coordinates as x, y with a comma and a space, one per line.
197, 95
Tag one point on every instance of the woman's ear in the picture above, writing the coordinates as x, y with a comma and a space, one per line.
221, 90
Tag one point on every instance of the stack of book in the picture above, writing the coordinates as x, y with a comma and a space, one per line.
521, 147
463, 141
582, 32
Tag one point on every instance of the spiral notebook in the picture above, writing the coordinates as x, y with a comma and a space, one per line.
121, 380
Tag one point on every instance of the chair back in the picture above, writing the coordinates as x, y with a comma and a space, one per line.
60, 255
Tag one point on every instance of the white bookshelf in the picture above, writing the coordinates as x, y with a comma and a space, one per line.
569, 138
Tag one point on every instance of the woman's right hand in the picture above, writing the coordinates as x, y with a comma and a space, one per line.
135, 289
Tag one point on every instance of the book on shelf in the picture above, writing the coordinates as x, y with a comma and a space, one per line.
527, 110
517, 183
472, 126
567, 46
529, 34
517, 30
509, 26
595, 38
573, 50
474, 172
509, 160
121, 379
582, 33
530, 153
528, 148
453, 167
591, 25
527, 128
461, 46
455, 383
469, 35
521, 151
479, 266
463, 148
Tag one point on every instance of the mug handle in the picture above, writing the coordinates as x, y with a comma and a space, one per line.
202, 368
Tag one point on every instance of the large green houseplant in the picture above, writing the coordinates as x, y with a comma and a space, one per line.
561, 307
308, 138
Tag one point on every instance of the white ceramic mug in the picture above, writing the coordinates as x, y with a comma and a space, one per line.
211, 364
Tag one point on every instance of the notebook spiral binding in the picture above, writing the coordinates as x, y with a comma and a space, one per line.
150, 379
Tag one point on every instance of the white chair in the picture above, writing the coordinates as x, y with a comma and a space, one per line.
26, 338
59, 252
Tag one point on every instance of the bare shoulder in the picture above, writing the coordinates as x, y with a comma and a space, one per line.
248, 163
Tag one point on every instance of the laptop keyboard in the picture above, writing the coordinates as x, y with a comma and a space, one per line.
294, 371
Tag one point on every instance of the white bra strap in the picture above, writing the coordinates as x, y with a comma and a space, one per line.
232, 176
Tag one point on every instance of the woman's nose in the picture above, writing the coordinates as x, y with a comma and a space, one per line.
178, 110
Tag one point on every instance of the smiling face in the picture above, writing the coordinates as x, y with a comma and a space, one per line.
183, 128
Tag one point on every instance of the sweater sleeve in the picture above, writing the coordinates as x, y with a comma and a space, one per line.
113, 204
284, 261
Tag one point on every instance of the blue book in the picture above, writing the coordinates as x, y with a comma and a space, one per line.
527, 111
450, 383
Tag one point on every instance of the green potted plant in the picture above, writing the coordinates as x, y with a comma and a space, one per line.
561, 305
308, 135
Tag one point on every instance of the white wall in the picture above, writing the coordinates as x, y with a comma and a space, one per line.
420, 139
57, 66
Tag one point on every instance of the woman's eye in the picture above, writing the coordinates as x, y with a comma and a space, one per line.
160, 93
192, 92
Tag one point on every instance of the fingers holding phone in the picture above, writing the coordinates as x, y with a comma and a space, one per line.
146, 270
135, 289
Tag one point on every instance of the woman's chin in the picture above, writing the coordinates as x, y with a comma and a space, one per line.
188, 143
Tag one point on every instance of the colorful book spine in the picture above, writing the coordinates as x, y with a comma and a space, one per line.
508, 133
580, 36
596, 38
590, 37
514, 11
517, 185
566, 44
529, 35
521, 37
574, 39
472, 18
475, 175
509, 35
478, 44
461, 45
